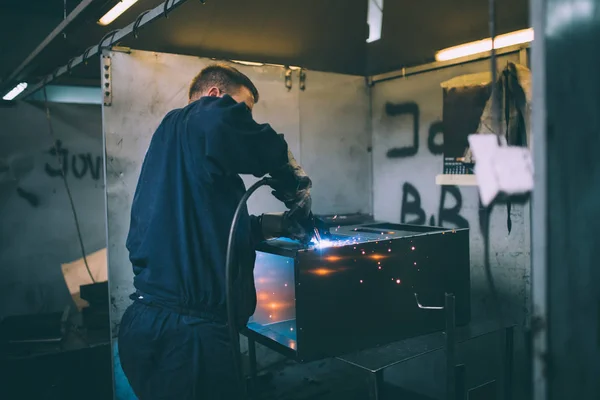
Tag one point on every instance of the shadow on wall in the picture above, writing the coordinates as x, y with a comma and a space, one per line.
38, 233
81, 272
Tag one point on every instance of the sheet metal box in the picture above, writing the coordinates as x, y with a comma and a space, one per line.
322, 302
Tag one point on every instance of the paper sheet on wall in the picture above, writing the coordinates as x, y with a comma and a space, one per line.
76, 274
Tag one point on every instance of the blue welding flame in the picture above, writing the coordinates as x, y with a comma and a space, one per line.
327, 243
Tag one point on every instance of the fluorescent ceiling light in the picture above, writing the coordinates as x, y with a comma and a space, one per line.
482, 46
116, 11
249, 63
17, 90
260, 64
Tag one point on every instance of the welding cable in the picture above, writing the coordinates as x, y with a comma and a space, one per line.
166, 9
86, 53
109, 34
136, 24
229, 265
64, 179
55, 73
485, 212
70, 65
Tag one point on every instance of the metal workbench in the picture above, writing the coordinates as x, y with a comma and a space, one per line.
375, 360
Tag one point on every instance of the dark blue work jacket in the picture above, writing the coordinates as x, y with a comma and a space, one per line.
184, 203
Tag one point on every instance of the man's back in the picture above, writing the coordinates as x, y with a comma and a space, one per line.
184, 203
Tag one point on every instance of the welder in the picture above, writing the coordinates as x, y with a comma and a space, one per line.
173, 339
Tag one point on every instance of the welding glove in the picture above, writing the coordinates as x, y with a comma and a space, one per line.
275, 225
292, 186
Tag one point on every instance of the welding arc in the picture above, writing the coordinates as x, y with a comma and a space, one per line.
229, 265
64, 179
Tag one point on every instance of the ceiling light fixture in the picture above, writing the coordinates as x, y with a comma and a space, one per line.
249, 63
482, 46
17, 90
116, 11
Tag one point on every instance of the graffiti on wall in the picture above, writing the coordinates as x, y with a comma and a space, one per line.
412, 109
411, 210
79, 165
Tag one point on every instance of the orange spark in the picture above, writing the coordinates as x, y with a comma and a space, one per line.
322, 271
262, 296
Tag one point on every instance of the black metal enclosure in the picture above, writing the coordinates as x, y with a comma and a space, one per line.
360, 289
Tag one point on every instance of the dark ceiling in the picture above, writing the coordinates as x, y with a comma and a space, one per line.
414, 30
327, 35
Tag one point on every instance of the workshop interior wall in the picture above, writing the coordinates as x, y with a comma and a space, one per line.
340, 132
405, 189
37, 232
327, 126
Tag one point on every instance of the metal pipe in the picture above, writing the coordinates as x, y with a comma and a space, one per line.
149, 16
419, 69
509, 344
253, 368
496, 125
450, 347
539, 206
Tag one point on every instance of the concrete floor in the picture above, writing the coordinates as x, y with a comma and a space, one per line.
323, 380
87, 374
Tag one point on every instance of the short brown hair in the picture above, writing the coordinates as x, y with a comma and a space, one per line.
226, 78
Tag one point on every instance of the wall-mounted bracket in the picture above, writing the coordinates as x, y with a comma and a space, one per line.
302, 79
288, 78
106, 80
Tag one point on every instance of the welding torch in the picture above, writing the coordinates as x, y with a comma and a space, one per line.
315, 225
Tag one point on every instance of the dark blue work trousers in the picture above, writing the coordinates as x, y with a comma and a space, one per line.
171, 356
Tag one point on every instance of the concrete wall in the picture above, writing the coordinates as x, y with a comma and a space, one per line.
37, 230
329, 129
405, 191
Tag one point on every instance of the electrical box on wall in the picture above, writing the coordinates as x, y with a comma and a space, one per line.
359, 289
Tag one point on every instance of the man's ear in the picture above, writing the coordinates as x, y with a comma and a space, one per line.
214, 92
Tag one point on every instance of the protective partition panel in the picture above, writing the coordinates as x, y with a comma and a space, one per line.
336, 141
326, 126
407, 156
38, 235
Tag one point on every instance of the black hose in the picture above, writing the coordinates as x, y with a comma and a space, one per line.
229, 265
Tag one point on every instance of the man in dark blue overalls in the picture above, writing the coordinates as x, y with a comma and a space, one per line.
173, 339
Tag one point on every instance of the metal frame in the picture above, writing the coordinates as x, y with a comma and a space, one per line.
539, 281
404, 72
456, 388
277, 347
113, 37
